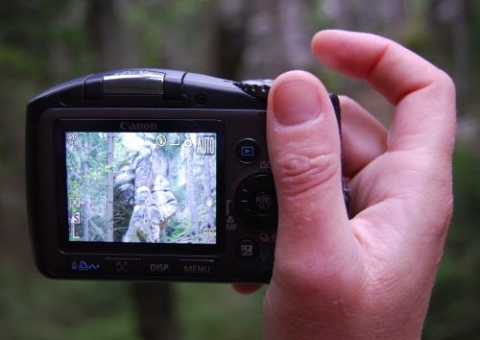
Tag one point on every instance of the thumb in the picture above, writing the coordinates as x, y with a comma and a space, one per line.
304, 149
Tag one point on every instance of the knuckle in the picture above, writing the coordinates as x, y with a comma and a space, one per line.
446, 79
446, 93
305, 170
447, 82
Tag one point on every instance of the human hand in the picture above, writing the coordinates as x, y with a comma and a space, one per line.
369, 277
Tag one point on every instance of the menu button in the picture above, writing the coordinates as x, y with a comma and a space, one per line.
198, 268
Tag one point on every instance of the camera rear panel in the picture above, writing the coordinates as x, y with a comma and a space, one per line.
128, 186
148, 174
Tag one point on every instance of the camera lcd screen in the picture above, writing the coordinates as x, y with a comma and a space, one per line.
141, 187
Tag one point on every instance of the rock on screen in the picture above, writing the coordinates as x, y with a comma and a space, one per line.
135, 187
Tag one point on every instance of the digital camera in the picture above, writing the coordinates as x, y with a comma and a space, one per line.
152, 174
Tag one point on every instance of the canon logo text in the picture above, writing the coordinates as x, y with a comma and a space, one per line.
131, 126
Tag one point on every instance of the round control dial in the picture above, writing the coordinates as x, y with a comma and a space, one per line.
256, 202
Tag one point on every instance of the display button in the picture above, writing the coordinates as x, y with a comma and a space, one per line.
247, 151
197, 268
247, 249
160, 267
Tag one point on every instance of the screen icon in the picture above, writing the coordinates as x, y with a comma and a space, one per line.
76, 219
174, 140
161, 141
188, 142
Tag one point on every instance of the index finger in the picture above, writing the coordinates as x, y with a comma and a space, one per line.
424, 95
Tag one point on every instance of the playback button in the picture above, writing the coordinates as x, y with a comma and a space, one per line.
247, 151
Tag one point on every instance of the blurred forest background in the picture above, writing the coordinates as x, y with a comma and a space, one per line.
45, 42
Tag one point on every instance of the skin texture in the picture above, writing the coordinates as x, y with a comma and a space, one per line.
371, 276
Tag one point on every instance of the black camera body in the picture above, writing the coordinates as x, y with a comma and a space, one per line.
152, 174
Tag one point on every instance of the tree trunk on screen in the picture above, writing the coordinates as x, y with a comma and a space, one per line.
109, 205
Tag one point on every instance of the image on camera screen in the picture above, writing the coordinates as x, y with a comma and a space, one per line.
136, 187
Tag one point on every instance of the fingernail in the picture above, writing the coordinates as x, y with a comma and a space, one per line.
296, 101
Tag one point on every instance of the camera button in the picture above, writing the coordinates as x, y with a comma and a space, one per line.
86, 265
256, 201
160, 267
247, 151
123, 266
247, 249
197, 268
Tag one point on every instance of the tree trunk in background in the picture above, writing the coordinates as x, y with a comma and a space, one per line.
227, 29
448, 20
155, 309
260, 39
461, 50
114, 45
112, 37
380, 17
